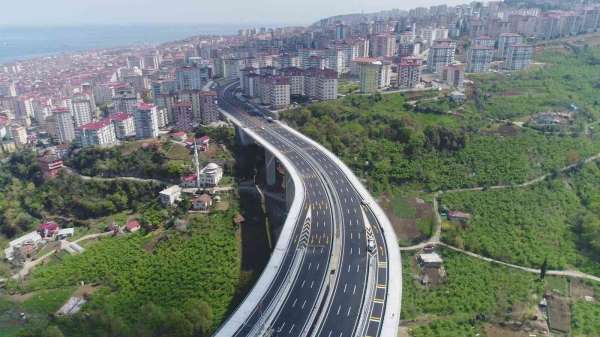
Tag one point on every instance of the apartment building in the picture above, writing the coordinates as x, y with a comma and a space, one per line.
479, 58
100, 133
518, 57
409, 72
146, 121
441, 53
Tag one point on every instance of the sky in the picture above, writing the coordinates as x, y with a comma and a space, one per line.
237, 12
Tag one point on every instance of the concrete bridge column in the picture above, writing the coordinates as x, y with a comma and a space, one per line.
289, 190
241, 137
270, 168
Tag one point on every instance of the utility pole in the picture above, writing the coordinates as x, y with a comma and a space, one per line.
196, 163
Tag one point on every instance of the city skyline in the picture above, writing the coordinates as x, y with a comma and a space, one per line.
70, 12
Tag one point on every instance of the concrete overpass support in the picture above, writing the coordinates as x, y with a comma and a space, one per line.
241, 137
289, 190
270, 168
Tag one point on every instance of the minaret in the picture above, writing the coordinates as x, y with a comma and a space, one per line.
196, 164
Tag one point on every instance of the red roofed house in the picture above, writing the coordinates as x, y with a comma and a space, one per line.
188, 181
202, 202
133, 226
203, 142
179, 136
48, 229
459, 216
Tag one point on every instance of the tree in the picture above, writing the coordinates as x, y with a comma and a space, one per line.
200, 313
544, 268
53, 331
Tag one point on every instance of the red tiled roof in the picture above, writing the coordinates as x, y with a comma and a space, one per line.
365, 60
410, 61
120, 116
191, 177
133, 224
60, 110
50, 226
119, 85
459, 214
95, 126
145, 106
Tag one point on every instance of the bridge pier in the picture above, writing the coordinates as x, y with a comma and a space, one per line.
270, 168
289, 190
241, 137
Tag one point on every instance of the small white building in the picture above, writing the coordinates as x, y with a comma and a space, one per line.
211, 175
458, 96
170, 195
430, 260
65, 233
73, 305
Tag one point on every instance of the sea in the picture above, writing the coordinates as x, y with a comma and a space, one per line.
21, 43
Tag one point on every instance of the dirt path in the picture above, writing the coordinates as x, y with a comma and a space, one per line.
436, 238
135, 179
438, 219
568, 273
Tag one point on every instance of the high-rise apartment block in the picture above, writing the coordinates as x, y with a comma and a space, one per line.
374, 74
124, 125
276, 91
453, 74
184, 117
518, 57
209, 110
325, 84
82, 110
484, 41
192, 77
146, 121
125, 103
8, 89
441, 53
64, 125
99, 133
505, 41
479, 58
409, 72
383, 45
